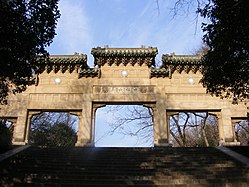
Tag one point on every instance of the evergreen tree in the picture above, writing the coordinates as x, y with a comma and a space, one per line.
27, 27
5, 137
57, 135
227, 36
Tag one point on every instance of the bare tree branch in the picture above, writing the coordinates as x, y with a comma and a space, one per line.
158, 7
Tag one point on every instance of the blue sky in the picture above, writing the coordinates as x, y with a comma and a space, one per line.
106, 119
85, 24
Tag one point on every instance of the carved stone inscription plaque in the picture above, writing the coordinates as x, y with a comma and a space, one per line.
123, 89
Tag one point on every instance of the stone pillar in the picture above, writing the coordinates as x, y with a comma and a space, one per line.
228, 130
79, 115
168, 126
20, 128
221, 130
220, 127
85, 125
28, 123
95, 107
13, 121
161, 127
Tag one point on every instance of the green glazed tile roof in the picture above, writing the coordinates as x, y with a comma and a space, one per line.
124, 51
124, 56
181, 63
63, 63
182, 59
68, 59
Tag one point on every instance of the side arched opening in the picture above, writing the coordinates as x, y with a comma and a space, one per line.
194, 129
52, 128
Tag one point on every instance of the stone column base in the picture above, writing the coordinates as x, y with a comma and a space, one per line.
229, 143
84, 143
19, 143
163, 145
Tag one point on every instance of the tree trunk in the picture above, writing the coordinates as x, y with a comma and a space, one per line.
204, 136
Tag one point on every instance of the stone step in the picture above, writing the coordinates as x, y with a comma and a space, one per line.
130, 182
123, 167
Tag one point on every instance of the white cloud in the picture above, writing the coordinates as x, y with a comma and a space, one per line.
73, 32
85, 24
118, 23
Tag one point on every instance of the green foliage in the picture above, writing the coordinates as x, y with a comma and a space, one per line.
58, 135
26, 28
5, 136
227, 61
62, 135
39, 134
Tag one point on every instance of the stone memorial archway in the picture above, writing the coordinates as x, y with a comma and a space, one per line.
120, 75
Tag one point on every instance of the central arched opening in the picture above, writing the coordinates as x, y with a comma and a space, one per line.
124, 126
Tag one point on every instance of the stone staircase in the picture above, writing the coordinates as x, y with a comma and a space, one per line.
244, 150
168, 166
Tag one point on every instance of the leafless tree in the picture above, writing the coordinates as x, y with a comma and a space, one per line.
194, 129
187, 128
242, 132
184, 7
201, 50
51, 118
134, 120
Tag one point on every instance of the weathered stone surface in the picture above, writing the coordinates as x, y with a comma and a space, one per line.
78, 88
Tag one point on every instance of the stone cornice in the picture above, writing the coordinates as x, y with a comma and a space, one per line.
124, 56
182, 63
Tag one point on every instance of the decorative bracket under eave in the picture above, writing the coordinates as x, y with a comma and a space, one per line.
159, 72
90, 72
